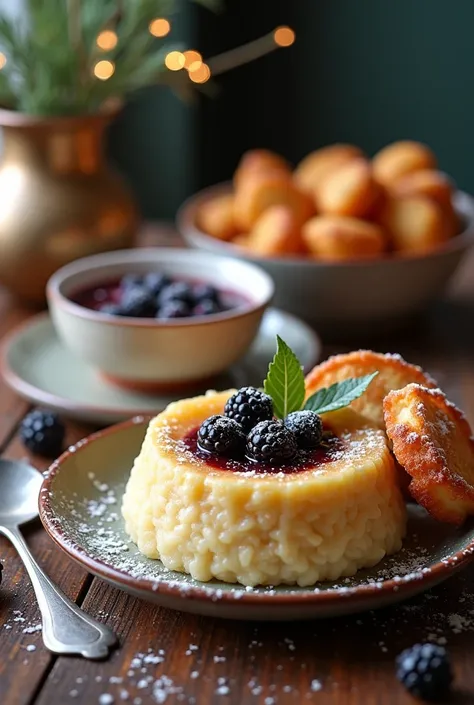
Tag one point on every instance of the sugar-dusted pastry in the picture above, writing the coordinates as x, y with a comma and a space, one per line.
257, 161
349, 189
393, 373
415, 224
401, 158
433, 441
276, 233
318, 518
262, 190
216, 217
317, 165
333, 238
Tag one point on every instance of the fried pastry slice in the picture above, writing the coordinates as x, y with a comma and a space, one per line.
348, 190
276, 233
394, 373
216, 217
432, 440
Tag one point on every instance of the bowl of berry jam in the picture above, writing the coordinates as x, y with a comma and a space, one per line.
156, 319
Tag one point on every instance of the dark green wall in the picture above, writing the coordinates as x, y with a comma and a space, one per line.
363, 71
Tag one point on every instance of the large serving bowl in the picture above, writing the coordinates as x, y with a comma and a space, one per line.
368, 295
146, 353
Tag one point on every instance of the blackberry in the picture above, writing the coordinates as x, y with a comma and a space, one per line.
177, 291
130, 281
248, 407
42, 432
425, 671
155, 282
138, 303
270, 442
221, 435
206, 307
174, 309
111, 309
307, 428
205, 292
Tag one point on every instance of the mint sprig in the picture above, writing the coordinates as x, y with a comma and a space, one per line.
285, 384
338, 395
285, 381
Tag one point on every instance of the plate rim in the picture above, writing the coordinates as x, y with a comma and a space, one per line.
301, 596
94, 412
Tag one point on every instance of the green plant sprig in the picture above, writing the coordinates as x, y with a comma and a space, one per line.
285, 384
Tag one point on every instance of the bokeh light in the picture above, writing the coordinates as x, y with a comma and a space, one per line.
201, 74
107, 40
159, 27
284, 36
192, 60
174, 61
104, 69
3, 60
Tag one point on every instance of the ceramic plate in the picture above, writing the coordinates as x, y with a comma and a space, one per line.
40, 368
80, 509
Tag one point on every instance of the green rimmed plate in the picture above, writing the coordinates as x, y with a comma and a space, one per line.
80, 509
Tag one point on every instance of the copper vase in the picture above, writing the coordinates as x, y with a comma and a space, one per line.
59, 200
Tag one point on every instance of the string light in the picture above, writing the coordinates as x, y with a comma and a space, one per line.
174, 61
159, 27
107, 40
284, 36
104, 69
201, 74
3, 60
192, 60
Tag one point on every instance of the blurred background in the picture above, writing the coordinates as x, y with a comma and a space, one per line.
365, 72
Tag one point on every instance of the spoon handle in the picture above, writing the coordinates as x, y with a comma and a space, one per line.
66, 628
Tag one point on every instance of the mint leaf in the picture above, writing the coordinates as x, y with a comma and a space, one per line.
338, 395
285, 381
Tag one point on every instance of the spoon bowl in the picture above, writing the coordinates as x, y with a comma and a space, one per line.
19, 491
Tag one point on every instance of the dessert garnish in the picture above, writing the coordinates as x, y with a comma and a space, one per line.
425, 671
42, 432
277, 422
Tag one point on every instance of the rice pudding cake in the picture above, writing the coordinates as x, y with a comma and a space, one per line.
321, 514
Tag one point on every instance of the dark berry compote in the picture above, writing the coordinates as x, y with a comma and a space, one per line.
156, 295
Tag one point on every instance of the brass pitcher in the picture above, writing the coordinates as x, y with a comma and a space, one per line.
59, 200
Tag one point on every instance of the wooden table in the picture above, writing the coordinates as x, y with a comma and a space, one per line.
177, 658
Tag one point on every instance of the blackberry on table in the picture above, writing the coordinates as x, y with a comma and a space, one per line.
248, 406
307, 428
138, 303
270, 442
221, 435
43, 433
425, 671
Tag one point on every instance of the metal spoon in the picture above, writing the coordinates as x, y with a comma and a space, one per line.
66, 628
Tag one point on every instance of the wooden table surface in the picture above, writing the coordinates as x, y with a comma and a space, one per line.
171, 657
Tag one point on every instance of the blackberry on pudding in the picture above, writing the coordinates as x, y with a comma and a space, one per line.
271, 442
220, 435
248, 407
307, 428
137, 302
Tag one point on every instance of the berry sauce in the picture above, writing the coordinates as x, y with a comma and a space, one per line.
97, 296
330, 450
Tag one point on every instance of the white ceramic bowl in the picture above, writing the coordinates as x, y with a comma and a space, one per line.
358, 296
142, 353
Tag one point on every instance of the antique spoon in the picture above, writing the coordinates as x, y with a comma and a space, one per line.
66, 628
